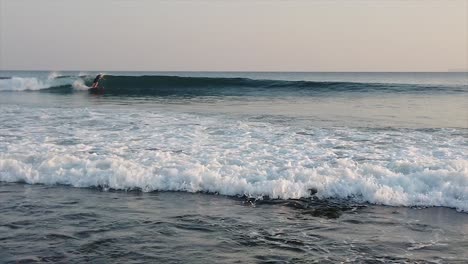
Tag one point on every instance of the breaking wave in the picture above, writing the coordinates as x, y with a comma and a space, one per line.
207, 86
53, 82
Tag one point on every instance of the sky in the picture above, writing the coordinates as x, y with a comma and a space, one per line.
234, 35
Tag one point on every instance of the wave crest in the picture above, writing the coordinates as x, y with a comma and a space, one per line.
158, 85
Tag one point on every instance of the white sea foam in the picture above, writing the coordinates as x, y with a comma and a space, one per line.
21, 84
182, 152
53, 75
35, 83
79, 85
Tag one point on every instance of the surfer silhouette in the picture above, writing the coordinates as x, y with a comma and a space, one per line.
96, 81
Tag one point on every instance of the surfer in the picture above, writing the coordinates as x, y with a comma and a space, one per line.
96, 81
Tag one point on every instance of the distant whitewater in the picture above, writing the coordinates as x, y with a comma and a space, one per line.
51, 81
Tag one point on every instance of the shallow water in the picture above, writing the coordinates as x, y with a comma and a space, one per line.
68, 225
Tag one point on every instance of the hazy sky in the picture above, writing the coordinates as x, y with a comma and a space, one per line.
234, 35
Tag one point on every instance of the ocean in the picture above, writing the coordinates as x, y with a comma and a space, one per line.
233, 167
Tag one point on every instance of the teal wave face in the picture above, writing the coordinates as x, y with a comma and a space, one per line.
159, 85
207, 86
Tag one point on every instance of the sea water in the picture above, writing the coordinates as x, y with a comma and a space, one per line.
234, 167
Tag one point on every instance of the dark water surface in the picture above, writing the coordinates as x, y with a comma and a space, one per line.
67, 225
